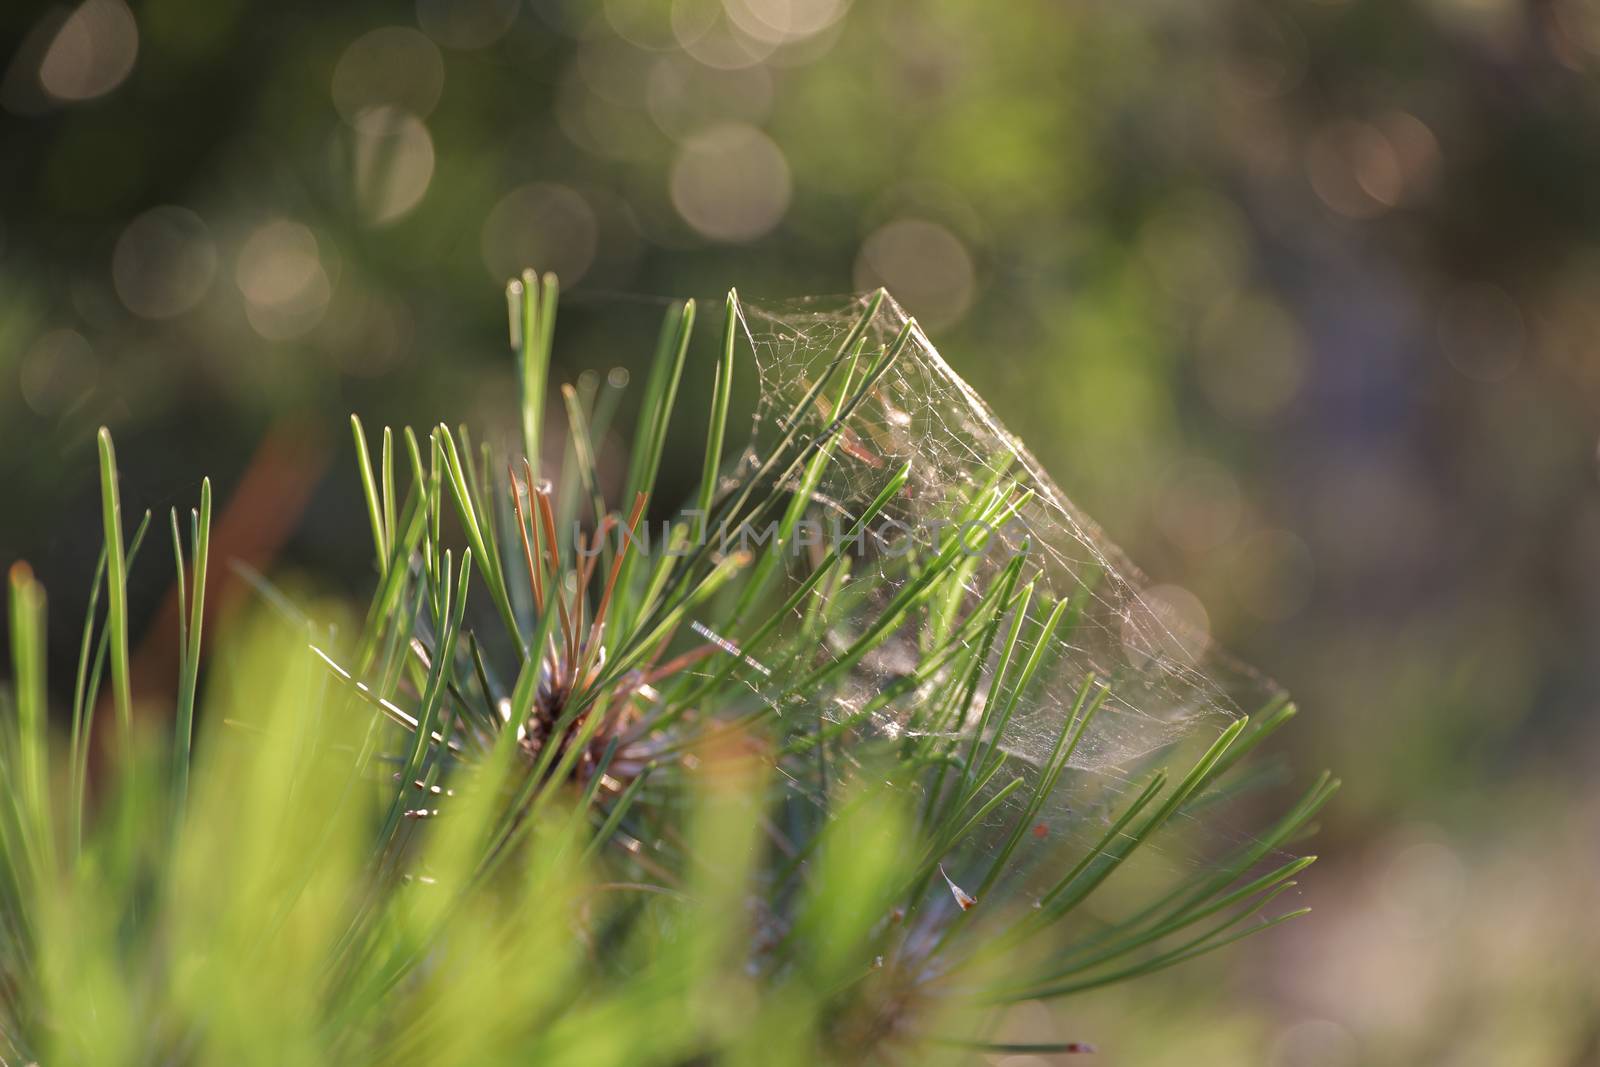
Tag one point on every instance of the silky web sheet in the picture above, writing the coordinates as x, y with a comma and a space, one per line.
1164, 685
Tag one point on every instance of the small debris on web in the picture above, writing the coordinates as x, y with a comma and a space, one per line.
727, 646
431, 790
963, 898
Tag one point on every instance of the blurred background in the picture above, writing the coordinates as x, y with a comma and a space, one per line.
1300, 299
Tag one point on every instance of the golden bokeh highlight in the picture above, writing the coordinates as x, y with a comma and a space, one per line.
731, 183
163, 262
394, 163
281, 275
392, 66
544, 223
924, 265
92, 53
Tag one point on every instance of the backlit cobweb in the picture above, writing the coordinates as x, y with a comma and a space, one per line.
1166, 684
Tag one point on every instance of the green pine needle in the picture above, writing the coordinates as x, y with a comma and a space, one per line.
570, 822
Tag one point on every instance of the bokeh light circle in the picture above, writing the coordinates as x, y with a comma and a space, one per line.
543, 225
92, 53
393, 66
731, 182
924, 265
163, 262
784, 21
57, 371
1198, 505
280, 273
1354, 169
393, 163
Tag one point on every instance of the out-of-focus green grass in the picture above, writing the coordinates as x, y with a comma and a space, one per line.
256, 930
1297, 299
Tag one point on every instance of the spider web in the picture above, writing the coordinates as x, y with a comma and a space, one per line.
1166, 683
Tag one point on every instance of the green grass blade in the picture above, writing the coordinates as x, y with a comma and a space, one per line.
80, 697
369, 489
438, 682
33, 726
721, 391
468, 512
91, 695
389, 498
660, 396
189, 672
583, 455
531, 308
117, 589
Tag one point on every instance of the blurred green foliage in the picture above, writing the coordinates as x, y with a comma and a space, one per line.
1298, 298
265, 937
